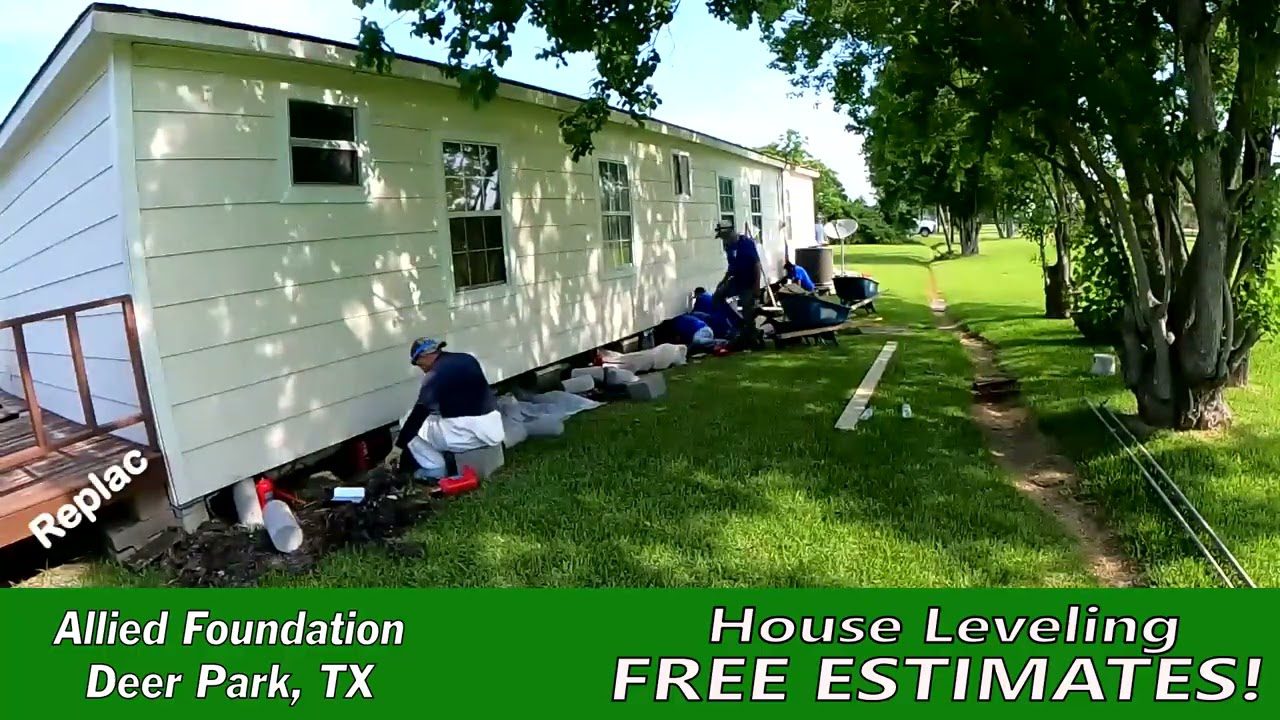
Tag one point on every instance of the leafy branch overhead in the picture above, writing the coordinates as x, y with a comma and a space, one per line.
619, 34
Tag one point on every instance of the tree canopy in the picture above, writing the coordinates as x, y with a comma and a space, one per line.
830, 200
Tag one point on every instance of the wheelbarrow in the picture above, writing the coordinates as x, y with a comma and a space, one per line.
858, 292
808, 319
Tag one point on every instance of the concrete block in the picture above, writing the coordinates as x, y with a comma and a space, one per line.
647, 387
151, 518
485, 461
579, 384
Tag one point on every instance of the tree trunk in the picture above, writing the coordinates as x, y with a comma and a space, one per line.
1057, 292
948, 233
1191, 408
967, 228
1057, 289
1001, 226
1239, 376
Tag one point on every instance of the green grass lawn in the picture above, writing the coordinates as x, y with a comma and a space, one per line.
738, 478
1233, 477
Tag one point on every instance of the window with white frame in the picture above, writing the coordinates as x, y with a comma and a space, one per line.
615, 212
727, 213
757, 212
473, 199
682, 177
322, 144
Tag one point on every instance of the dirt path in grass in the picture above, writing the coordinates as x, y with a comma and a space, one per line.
1021, 449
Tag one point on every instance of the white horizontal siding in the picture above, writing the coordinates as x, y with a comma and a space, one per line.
283, 325
62, 244
800, 224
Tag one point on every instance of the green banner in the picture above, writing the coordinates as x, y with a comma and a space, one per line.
636, 653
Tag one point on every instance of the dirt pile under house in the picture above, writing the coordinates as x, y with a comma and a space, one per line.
221, 554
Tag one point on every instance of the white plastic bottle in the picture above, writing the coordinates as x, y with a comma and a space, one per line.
906, 410
282, 526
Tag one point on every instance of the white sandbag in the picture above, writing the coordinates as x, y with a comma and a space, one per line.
594, 372
635, 362
642, 361
672, 355
579, 384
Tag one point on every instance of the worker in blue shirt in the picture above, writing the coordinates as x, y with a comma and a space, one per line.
742, 278
456, 411
702, 301
799, 276
721, 318
694, 331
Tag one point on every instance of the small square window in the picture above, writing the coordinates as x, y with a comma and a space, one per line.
322, 144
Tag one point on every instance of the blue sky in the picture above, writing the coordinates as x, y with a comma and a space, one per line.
713, 78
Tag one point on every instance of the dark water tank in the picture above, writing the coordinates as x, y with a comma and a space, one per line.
819, 262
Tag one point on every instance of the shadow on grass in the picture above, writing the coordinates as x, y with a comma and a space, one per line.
863, 258
1231, 479
738, 478
1230, 476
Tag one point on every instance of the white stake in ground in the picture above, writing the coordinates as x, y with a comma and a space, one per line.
853, 411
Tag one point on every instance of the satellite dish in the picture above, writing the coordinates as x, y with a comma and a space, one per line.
840, 230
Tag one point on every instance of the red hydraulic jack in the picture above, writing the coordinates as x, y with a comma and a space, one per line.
457, 485
267, 491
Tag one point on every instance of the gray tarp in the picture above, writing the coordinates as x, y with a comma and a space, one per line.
540, 415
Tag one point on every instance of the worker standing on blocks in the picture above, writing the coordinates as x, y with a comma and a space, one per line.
456, 411
741, 280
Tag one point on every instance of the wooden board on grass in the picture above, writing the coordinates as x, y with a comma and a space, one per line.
853, 411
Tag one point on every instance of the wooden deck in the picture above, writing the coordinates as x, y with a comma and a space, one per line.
45, 459
47, 483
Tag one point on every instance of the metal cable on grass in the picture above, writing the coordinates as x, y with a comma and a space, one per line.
1168, 502
1178, 491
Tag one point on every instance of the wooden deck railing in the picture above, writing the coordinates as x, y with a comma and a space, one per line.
44, 445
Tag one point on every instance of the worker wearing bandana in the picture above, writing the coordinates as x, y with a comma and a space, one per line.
456, 410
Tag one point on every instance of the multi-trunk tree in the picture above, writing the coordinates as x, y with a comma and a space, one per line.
924, 149
1130, 101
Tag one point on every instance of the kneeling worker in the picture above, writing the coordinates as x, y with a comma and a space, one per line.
456, 411
798, 275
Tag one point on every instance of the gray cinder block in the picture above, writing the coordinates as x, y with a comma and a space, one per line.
648, 387
485, 461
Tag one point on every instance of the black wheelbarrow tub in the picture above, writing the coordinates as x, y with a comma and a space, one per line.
806, 311
853, 288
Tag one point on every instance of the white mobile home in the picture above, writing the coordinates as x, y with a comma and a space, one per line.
282, 225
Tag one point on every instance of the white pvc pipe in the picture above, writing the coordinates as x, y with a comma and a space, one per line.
247, 507
282, 526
